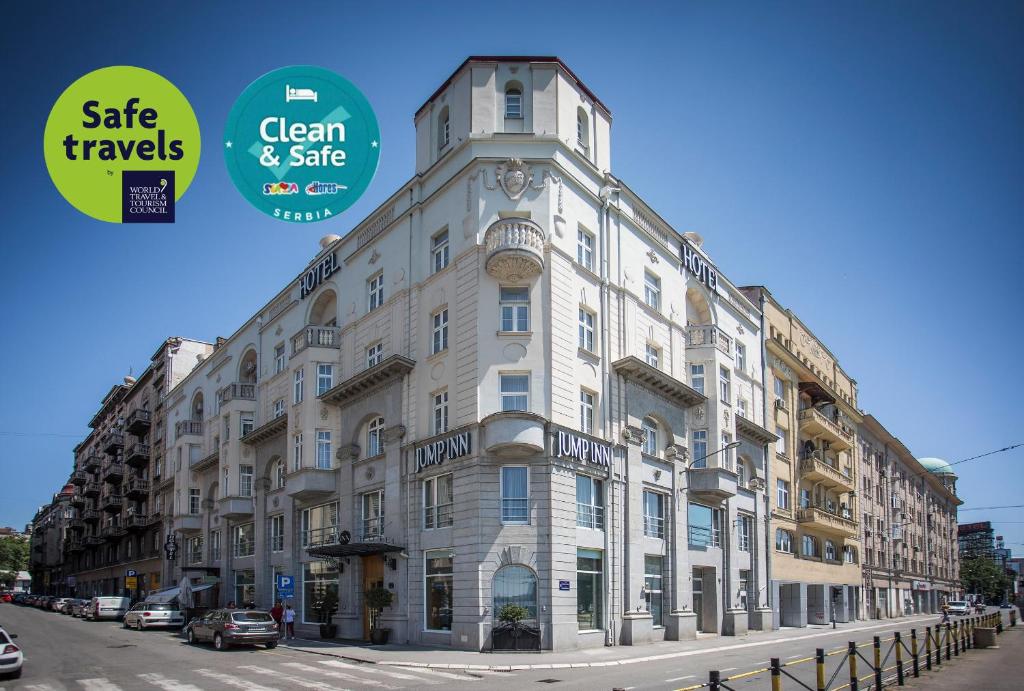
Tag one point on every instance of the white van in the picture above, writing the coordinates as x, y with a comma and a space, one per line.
107, 607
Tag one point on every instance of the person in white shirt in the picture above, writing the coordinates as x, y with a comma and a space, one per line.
289, 622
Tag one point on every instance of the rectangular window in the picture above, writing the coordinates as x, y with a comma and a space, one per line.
279, 358
589, 590
652, 356
375, 292
194, 549
278, 408
700, 448
244, 540
320, 525
515, 392
589, 502
653, 567
782, 494
439, 250
324, 378
297, 451
586, 411
374, 354
585, 249
652, 290
741, 408
697, 378
586, 330
438, 501
654, 514
724, 384
743, 528
227, 427
780, 443
704, 525
193, 501
438, 586
513, 104
373, 515
780, 390
441, 412
297, 387
514, 306
515, 497
247, 423
318, 579
726, 454
245, 475
215, 546
323, 450
744, 588
439, 341
277, 533
741, 357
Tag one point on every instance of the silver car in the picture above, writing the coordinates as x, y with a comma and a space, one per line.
153, 615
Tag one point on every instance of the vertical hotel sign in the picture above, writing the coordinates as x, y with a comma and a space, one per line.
698, 266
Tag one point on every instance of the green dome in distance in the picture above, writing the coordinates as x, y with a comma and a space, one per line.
936, 466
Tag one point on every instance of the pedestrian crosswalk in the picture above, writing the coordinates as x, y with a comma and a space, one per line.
274, 675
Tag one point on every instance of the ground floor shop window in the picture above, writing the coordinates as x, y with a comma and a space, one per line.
438, 587
515, 585
589, 568
318, 579
653, 566
245, 587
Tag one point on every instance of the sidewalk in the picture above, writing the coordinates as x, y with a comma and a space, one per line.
989, 668
442, 658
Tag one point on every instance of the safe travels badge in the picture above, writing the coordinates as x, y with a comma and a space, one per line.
302, 144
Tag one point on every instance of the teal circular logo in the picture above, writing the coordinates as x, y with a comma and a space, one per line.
302, 144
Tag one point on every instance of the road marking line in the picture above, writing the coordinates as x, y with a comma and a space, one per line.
446, 675
299, 681
373, 670
232, 681
100, 684
792, 657
688, 676
728, 669
40, 687
339, 675
168, 684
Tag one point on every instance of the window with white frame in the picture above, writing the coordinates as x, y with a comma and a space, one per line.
297, 385
650, 444
244, 540
589, 502
441, 412
652, 356
700, 448
279, 358
374, 354
809, 547
652, 290
277, 533
439, 250
744, 526
780, 442
278, 408
324, 459
514, 307
724, 384
514, 103
726, 455
193, 500
438, 502
373, 514
194, 549
320, 525
654, 514
582, 130
830, 550
742, 476
705, 525
324, 378
697, 378
277, 474
246, 424
375, 437
515, 497
783, 541
849, 554
297, 451
741, 408
439, 339
375, 292
515, 392
740, 355
443, 129
586, 330
215, 545
585, 249
744, 588
245, 476
782, 494
780, 389
586, 411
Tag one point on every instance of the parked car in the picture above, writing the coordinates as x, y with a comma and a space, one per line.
57, 604
107, 607
6, 597
80, 607
153, 615
227, 627
958, 607
11, 657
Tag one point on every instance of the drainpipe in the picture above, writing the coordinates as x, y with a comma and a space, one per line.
610, 492
767, 468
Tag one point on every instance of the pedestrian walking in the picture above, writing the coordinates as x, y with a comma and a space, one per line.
277, 613
945, 613
289, 622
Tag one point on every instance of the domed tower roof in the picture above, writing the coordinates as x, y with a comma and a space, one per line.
936, 466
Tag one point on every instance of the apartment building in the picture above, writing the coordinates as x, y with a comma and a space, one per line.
47, 535
514, 383
909, 527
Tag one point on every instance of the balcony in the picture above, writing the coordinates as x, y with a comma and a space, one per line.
235, 507
112, 503
820, 519
91, 490
76, 524
512, 434
113, 442
708, 335
113, 472
92, 462
813, 468
94, 540
816, 424
91, 516
240, 391
188, 427
310, 483
78, 499
136, 488
138, 422
316, 337
137, 455
79, 477
137, 521
75, 544
515, 249
188, 523
713, 483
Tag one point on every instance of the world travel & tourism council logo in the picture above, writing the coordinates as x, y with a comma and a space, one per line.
302, 143
122, 145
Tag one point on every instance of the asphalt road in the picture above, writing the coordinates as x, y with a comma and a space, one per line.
66, 653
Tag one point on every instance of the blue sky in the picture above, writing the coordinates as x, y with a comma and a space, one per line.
863, 160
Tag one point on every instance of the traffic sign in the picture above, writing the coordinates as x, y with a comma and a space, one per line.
285, 586
131, 582
131, 572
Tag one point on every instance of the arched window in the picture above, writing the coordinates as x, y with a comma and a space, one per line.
650, 428
809, 546
830, 550
515, 585
582, 130
443, 128
324, 311
783, 541
513, 102
277, 474
247, 367
197, 407
374, 437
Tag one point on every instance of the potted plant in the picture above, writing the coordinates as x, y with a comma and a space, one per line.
512, 632
326, 606
377, 598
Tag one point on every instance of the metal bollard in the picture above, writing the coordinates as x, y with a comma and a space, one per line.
949, 643
776, 674
852, 653
878, 662
899, 660
819, 664
713, 680
914, 653
999, 622
928, 648
956, 639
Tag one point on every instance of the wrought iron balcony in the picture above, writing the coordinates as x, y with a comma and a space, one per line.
137, 455
79, 477
193, 427
112, 503
239, 391
92, 462
515, 249
92, 489
138, 421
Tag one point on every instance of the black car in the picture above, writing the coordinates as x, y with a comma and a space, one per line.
227, 627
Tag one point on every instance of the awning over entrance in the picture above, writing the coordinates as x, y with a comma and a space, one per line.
172, 593
353, 549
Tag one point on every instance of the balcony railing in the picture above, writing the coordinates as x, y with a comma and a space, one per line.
194, 427
708, 335
238, 391
113, 441
92, 462
589, 516
316, 537
373, 528
316, 337
814, 467
654, 526
136, 487
244, 547
703, 536
828, 520
91, 489
515, 249
817, 423
79, 477
137, 521
113, 472
138, 422
138, 455
112, 503
90, 515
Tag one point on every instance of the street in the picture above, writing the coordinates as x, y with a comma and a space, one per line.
66, 653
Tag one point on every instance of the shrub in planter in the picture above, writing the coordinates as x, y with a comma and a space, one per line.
513, 633
325, 607
377, 598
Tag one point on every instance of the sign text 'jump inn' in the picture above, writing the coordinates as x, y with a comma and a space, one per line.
583, 450
435, 453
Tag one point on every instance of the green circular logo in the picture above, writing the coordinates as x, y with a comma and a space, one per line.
122, 145
302, 143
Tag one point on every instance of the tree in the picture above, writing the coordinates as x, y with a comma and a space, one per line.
13, 558
984, 576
